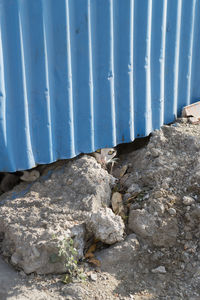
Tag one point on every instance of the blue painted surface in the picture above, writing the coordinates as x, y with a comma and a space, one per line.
78, 75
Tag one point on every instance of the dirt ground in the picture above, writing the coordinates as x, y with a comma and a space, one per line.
158, 180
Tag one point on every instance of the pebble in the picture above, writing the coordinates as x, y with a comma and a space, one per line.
172, 211
187, 200
69, 181
165, 185
148, 153
160, 269
93, 277
155, 153
158, 194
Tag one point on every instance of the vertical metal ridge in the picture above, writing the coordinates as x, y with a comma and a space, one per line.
190, 56
3, 131
131, 68
177, 54
47, 88
148, 115
162, 61
70, 84
112, 74
25, 98
91, 79
6, 157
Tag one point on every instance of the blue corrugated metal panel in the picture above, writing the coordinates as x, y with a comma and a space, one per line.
77, 75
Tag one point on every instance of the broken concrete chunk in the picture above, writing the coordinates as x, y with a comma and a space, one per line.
52, 210
106, 226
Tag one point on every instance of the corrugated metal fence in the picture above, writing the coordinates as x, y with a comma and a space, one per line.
77, 75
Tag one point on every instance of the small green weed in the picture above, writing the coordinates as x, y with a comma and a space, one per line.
67, 251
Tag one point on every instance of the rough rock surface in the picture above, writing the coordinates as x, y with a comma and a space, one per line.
53, 209
158, 231
121, 253
106, 226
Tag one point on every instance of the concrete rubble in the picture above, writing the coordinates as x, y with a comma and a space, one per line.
106, 226
52, 210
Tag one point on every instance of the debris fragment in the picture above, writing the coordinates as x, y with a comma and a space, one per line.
93, 277
192, 112
123, 170
117, 204
106, 226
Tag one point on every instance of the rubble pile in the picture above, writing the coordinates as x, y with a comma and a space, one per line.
146, 215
